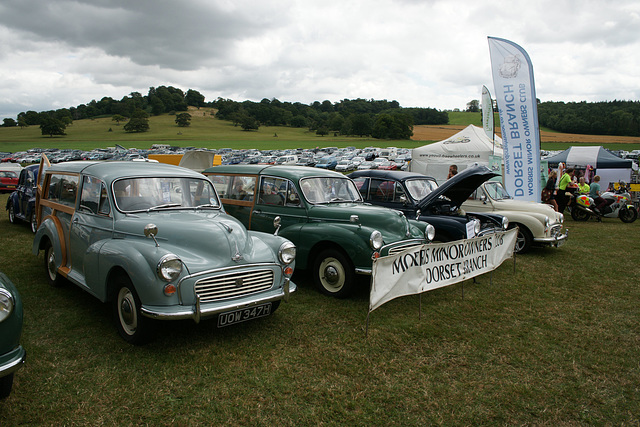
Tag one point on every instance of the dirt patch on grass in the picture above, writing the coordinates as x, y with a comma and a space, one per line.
438, 133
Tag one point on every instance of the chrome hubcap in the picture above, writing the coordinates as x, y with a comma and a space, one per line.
127, 311
51, 264
332, 274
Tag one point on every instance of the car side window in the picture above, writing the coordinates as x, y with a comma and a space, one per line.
93, 198
398, 195
292, 198
361, 183
23, 177
104, 208
382, 191
242, 188
63, 189
272, 191
221, 184
476, 195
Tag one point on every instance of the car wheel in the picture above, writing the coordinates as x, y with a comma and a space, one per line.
33, 221
132, 326
523, 240
6, 383
12, 214
333, 273
628, 215
579, 214
53, 277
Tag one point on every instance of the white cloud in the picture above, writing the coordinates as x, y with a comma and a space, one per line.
420, 53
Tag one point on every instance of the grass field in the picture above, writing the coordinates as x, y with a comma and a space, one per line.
207, 132
554, 343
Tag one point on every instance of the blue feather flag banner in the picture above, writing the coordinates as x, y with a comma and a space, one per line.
516, 98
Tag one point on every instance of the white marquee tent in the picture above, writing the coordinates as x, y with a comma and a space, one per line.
468, 147
610, 167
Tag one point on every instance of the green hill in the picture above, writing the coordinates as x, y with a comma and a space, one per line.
205, 131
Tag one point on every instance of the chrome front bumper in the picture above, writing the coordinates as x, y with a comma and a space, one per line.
203, 311
14, 361
556, 241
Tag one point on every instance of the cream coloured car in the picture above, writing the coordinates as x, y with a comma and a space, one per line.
538, 223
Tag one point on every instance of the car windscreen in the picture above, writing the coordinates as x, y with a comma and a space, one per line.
496, 191
149, 193
420, 188
329, 189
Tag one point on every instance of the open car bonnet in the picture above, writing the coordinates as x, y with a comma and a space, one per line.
459, 187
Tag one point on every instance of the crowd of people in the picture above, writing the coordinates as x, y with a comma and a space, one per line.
572, 183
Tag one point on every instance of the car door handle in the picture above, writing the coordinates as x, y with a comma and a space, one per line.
257, 211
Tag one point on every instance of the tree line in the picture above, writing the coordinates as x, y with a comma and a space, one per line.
619, 118
358, 117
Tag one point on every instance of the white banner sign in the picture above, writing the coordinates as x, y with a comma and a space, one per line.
487, 114
516, 97
431, 266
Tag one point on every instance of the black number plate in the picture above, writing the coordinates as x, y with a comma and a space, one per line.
242, 315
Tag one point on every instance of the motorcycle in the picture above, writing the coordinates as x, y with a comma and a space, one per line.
618, 206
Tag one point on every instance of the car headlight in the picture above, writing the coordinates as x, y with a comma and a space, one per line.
561, 218
476, 226
6, 304
505, 222
430, 232
169, 267
287, 252
547, 223
375, 240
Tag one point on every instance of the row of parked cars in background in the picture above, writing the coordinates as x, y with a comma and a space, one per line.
344, 159
162, 242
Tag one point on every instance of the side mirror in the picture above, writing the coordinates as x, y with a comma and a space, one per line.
483, 198
151, 230
354, 219
276, 224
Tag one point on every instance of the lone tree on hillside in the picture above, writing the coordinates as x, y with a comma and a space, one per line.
249, 123
52, 126
183, 119
139, 122
9, 122
118, 118
473, 106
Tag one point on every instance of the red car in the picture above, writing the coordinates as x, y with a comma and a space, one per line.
386, 165
8, 179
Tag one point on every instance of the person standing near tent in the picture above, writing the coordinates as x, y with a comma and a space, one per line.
583, 187
548, 191
564, 187
594, 193
453, 170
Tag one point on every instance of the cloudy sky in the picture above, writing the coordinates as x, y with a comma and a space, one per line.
422, 53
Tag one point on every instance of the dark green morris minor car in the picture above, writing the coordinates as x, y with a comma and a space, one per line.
12, 354
336, 234
154, 241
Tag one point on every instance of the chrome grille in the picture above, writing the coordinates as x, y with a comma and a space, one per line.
233, 285
556, 230
401, 247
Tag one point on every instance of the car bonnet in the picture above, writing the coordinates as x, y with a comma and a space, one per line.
459, 187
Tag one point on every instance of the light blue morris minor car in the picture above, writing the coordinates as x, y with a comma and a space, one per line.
154, 241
